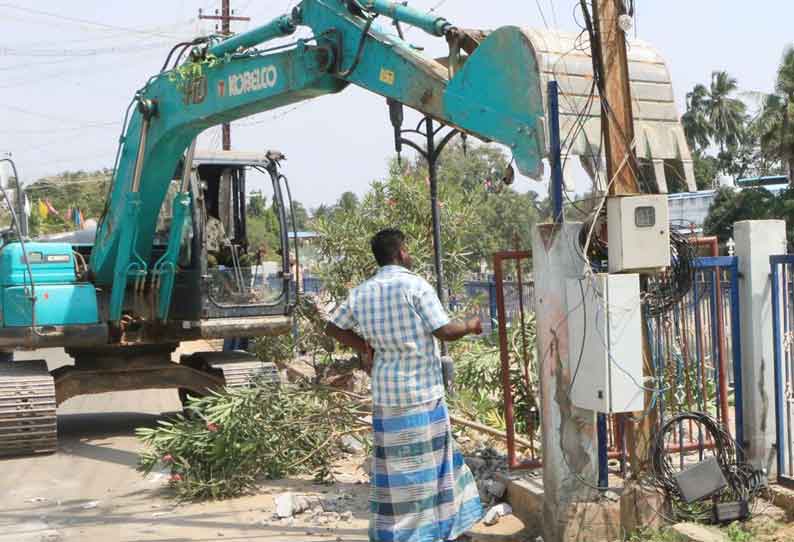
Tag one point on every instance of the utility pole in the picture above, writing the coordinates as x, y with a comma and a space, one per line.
617, 120
226, 16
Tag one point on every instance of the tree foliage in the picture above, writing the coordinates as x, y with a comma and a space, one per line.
732, 205
84, 189
477, 220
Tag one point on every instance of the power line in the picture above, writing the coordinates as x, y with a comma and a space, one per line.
542, 15
54, 117
81, 53
85, 21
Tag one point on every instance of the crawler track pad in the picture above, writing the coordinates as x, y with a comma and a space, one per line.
28, 423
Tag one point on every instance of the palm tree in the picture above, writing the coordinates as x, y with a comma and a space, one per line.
726, 114
695, 121
776, 120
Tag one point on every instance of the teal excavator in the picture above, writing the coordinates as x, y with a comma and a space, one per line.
145, 285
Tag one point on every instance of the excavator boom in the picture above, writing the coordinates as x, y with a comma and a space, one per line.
494, 94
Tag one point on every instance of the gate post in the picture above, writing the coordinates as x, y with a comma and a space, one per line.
756, 240
570, 450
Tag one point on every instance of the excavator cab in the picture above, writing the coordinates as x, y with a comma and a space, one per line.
221, 273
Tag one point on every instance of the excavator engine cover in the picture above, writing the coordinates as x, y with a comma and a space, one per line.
59, 299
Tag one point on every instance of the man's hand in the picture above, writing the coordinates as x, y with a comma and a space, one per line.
474, 326
457, 329
367, 358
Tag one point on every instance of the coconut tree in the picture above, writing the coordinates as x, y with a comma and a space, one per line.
725, 112
695, 121
776, 120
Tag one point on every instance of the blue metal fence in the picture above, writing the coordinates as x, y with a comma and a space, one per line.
782, 274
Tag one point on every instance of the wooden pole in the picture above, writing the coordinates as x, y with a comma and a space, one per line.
617, 120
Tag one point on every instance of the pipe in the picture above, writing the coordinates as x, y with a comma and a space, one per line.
277, 28
504, 355
556, 153
433, 25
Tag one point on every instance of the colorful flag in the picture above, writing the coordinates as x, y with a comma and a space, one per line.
50, 208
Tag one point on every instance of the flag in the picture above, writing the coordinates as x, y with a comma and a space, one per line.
50, 208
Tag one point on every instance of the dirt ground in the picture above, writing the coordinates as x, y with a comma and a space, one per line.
90, 491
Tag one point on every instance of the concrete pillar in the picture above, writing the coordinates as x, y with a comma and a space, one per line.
689, 175
661, 176
756, 240
570, 452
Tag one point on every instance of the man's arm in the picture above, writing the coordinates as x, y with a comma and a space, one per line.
347, 337
458, 329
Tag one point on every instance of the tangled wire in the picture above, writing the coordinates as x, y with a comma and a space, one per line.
661, 293
743, 481
665, 291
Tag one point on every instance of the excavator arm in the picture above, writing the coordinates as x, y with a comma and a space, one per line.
494, 95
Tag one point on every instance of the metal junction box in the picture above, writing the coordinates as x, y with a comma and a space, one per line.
605, 342
639, 233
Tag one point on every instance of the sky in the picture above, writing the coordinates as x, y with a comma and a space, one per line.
69, 69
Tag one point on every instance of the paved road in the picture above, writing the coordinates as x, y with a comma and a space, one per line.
90, 491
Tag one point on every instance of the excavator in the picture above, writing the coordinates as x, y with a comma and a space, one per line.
122, 308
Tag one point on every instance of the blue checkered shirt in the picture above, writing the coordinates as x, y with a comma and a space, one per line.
396, 312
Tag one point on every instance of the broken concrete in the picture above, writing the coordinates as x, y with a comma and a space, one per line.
693, 532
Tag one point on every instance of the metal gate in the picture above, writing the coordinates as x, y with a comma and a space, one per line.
782, 273
696, 354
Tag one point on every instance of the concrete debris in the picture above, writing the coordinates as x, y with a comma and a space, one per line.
495, 488
496, 512
351, 444
290, 504
484, 466
346, 516
692, 532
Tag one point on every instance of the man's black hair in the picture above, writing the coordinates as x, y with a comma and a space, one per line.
386, 246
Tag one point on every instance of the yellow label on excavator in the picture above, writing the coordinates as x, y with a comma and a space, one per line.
387, 76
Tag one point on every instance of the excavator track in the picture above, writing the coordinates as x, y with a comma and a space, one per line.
239, 368
28, 424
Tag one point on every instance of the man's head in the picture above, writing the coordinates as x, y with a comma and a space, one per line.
388, 247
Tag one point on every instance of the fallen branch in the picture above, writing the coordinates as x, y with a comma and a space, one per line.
489, 430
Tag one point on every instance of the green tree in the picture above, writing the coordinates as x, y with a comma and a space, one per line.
726, 114
399, 201
776, 122
300, 215
348, 201
730, 206
695, 121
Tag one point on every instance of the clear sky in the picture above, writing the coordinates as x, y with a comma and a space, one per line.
65, 81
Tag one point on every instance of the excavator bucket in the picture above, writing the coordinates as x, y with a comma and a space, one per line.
497, 92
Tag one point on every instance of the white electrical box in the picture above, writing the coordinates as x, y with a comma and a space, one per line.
639, 233
605, 343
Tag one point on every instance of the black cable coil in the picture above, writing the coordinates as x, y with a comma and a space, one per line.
743, 481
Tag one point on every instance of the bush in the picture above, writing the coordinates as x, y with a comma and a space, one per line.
231, 440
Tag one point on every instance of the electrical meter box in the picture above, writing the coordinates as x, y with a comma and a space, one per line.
639, 233
605, 342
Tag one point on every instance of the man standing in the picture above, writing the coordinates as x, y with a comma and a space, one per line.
422, 491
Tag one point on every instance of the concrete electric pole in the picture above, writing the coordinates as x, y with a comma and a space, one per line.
226, 16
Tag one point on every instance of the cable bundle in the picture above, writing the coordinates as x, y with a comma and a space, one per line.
743, 480
669, 288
